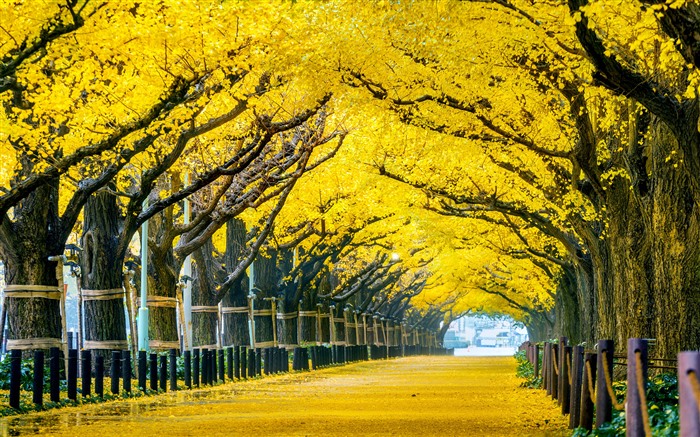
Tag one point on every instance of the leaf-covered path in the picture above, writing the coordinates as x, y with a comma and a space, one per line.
408, 396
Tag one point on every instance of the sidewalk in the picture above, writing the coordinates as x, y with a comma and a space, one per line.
466, 396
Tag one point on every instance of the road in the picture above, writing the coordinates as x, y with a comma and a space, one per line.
466, 396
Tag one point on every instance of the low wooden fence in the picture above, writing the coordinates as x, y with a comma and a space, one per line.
581, 380
202, 367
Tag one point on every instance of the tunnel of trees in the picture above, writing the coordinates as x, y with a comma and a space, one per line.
351, 181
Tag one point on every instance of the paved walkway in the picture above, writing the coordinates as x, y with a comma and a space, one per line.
466, 396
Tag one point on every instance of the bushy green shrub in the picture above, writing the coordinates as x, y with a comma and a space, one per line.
526, 371
662, 399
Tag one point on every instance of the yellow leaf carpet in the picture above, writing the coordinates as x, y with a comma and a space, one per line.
465, 396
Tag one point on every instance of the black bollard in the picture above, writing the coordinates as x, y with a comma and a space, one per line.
267, 361
86, 370
195, 368
258, 362
126, 370
230, 365
205, 366
164, 373
236, 362
115, 371
38, 383
286, 360
72, 374
244, 362
15, 377
99, 375
222, 367
188, 369
213, 376
54, 374
173, 369
153, 367
295, 359
251, 362
143, 369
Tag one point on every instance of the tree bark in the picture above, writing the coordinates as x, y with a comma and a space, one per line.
101, 269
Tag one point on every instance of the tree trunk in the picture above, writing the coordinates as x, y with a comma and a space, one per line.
235, 324
267, 279
163, 271
101, 269
33, 237
205, 318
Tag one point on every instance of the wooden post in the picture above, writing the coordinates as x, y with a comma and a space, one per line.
576, 381
603, 403
565, 385
38, 383
545, 368
561, 359
554, 378
188, 369
633, 410
126, 370
86, 370
536, 362
586, 415
244, 362
688, 367
72, 374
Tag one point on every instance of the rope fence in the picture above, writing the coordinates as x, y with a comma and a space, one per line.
582, 382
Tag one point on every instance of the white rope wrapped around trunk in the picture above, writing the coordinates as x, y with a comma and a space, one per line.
208, 346
106, 344
205, 309
160, 344
287, 316
33, 343
34, 291
112, 293
264, 344
262, 312
234, 310
161, 301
